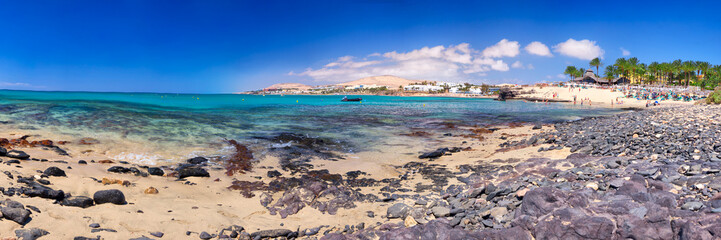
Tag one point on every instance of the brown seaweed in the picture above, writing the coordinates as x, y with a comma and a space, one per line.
240, 161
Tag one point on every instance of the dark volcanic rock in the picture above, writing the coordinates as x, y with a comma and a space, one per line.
192, 171
78, 201
18, 215
197, 160
37, 190
17, 154
156, 171
273, 233
119, 169
205, 236
109, 196
30, 233
54, 171
274, 173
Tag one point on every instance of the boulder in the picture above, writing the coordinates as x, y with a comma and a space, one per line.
156, 171
18, 215
78, 201
55, 172
273, 233
197, 160
17, 154
398, 210
440, 212
113, 196
119, 169
193, 171
30, 233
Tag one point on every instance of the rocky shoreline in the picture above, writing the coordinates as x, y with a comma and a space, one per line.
651, 174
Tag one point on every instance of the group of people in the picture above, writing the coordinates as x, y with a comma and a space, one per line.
661, 93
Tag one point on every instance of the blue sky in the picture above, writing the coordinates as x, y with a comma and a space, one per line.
230, 46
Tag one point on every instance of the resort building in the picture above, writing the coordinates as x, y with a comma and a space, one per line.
423, 88
590, 78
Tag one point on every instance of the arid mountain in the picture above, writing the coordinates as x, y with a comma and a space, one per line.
386, 80
298, 86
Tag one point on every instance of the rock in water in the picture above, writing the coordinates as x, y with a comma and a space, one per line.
156, 171
193, 171
17, 154
78, 201
55, 172
109, 196
30, 234
398, 210
18, 215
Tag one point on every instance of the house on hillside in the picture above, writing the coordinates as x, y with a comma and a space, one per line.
590, 78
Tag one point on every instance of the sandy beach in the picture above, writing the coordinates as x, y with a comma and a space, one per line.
598, 96
184, 208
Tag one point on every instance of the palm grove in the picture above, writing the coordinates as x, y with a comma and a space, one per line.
678, 72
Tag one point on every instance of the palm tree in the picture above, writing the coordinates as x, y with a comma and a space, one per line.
610, 72
702, 67
654, 67
632, 65
641, 70
570, 71
621, 64
676, 68
596, 63
688, 67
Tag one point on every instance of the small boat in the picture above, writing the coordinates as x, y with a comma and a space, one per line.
346, 99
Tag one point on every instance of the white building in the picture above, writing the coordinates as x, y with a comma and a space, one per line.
476, 90
422, 88
449, 84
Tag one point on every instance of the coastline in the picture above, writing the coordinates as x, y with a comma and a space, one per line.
598, 97
476, 183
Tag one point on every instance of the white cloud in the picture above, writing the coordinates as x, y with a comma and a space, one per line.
538, 48
452, 63
530, 66
561, 76
625, 52
504, 48
517, 64
584, 49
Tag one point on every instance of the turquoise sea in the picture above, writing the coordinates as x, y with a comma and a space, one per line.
151, 124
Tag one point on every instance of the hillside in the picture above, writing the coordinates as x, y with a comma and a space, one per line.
298, 86
386, 80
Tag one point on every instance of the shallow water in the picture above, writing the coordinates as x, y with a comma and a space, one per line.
149, 127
